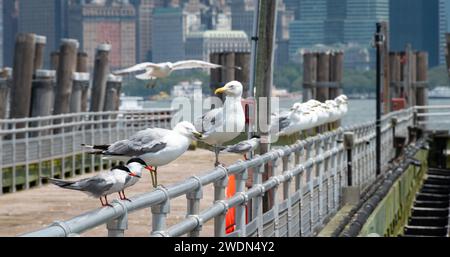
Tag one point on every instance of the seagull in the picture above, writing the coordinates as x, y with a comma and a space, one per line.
106, 183
342, 102
243, 147
154, 71
156, 146
224, 124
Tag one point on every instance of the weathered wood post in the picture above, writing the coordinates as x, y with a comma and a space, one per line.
386, 63
395, 74
100, 76
80, 83
22, 76
113, 89
43, 93
41, 41
5, 88
54, 60
243, 75
43, 97
66, 68
422, 81
264, 80
216, 74
413, 77
309, 76
336, 74
323, 77
447, 52
230, 62
82, 67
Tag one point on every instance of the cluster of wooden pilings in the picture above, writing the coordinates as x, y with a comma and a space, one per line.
29, 90
322, 75
231, 61
408, 73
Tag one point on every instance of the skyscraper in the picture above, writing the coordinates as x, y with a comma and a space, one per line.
1, 33
45, 17
113, 23
168, 34
10, 17
424, 27
333, 22
242, 15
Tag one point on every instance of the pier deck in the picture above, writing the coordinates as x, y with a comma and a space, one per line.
36, 208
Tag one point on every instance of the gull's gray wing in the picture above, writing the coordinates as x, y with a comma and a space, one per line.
144, 141
194, 64
96, 186
242, 147
210, 121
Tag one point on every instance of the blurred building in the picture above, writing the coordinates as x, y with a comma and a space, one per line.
424, 27
44, 17
10, 14
168, 34
333, 22
242, 15
112, 22
1, 33
200, 44
189, 89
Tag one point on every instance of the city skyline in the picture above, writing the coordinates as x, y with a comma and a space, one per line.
143, 30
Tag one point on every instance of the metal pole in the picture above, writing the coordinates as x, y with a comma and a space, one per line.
379, 38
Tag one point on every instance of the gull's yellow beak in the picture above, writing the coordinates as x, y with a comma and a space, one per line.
220, 90
197, 135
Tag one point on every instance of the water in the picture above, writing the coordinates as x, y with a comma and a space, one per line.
360, 110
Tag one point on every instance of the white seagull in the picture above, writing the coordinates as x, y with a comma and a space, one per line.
156, 146
106, 183
224, 124
154, 71
243, 147
342, 102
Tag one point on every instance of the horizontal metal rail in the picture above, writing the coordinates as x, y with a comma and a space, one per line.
51, 146
432, 117
308, 178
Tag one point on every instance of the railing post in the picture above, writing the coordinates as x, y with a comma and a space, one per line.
241, 215
193, 204
1, 160
159, 213
117, 227
258, 205
286, 195
219, 195
349, 144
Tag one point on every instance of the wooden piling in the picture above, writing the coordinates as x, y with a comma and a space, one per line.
230, 62
421, 78
41, 41
323, 77
82, 67
22, 75
66, 68
43, 93
243, 75
54, 60
80, 83
5, 88
309, 76
113, 90
336, 74
395, 74
447, 52
100, 77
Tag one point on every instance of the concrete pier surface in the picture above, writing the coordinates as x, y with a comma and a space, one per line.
33, 209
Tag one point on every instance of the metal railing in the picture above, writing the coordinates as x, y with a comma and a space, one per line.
433, 117
51, 146
305, 189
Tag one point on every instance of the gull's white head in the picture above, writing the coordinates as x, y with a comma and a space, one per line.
187, 129
233, 88
341, 99
296, 107
135, 166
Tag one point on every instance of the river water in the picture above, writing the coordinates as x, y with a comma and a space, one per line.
360, 110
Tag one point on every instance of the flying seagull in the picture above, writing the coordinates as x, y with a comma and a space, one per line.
224, 124
106, 183
156, 146
155, 71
